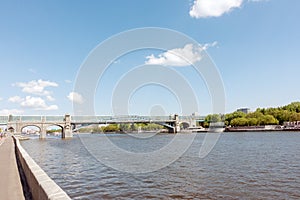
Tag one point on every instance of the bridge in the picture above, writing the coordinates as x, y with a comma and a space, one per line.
68, 123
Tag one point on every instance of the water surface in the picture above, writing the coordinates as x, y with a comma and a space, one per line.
241, 166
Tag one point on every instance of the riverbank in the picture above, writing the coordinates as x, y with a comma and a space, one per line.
35, 180
21, 178
10, 181
259, 129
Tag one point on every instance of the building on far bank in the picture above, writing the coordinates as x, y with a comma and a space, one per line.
294, 124
244, 110
195, 114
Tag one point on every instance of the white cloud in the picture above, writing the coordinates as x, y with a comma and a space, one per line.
37, 103
51, 107
15, 99
208, 45
68, 81
36, 87
50, 98
1, 98
213, 8
11, 112
185, 56
32, 70
75, 97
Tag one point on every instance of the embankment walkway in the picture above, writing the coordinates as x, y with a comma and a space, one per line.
10, 182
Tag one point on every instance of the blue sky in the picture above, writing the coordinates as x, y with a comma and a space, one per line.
254, 44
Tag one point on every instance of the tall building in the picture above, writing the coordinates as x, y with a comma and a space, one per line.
244, 110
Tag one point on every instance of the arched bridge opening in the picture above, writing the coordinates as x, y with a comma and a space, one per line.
11, 129
184, 125
54, 130
31, 130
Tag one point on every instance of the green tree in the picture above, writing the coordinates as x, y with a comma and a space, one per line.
268, 120
111, 128
125, 127
252, 122
241, 121
231, 116
294, 116
293, 107
213, 118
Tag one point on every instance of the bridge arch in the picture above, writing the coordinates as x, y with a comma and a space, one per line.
30, 125
48, 130
11, 129
184, 125
58, 125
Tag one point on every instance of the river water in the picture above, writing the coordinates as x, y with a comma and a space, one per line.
241, 166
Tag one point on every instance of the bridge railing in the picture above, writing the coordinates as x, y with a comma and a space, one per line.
89, 118
54, 118
32, 118
197, 118
3, 119
94, 119
43, 118
119, 118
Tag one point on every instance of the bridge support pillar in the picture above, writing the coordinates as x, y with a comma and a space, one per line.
176, 125
43, 132
18, 129
172, 130
13, 127
67, 130
43, 129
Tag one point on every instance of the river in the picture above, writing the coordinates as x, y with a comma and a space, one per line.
241, 166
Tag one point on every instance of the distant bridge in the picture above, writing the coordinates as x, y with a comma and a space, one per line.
68, 123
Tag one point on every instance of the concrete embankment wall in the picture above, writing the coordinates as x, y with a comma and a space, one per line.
40, 184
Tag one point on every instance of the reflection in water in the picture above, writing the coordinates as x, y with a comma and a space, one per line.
242, 165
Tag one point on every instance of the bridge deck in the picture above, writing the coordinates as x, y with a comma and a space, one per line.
122, 122
96, 119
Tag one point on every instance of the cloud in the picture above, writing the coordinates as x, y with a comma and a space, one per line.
50, 98
1, 98
15, 99
75, 97
36, 87
185, 56
11, 112
37, 103
51, 107
213, 8
32, 70
68, 81
208, 45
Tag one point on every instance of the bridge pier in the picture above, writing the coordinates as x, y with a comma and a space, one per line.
43, 132
43, 135
67, 129
175, 125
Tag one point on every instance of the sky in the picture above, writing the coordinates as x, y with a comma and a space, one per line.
254, 45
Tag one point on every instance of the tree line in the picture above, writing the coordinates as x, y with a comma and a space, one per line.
122, 128
262, 116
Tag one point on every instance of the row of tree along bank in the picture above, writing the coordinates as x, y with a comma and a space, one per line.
121, 128
261, 117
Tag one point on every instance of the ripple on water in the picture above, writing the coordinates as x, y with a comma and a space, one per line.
241, 166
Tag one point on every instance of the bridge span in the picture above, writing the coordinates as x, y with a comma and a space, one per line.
68, 123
